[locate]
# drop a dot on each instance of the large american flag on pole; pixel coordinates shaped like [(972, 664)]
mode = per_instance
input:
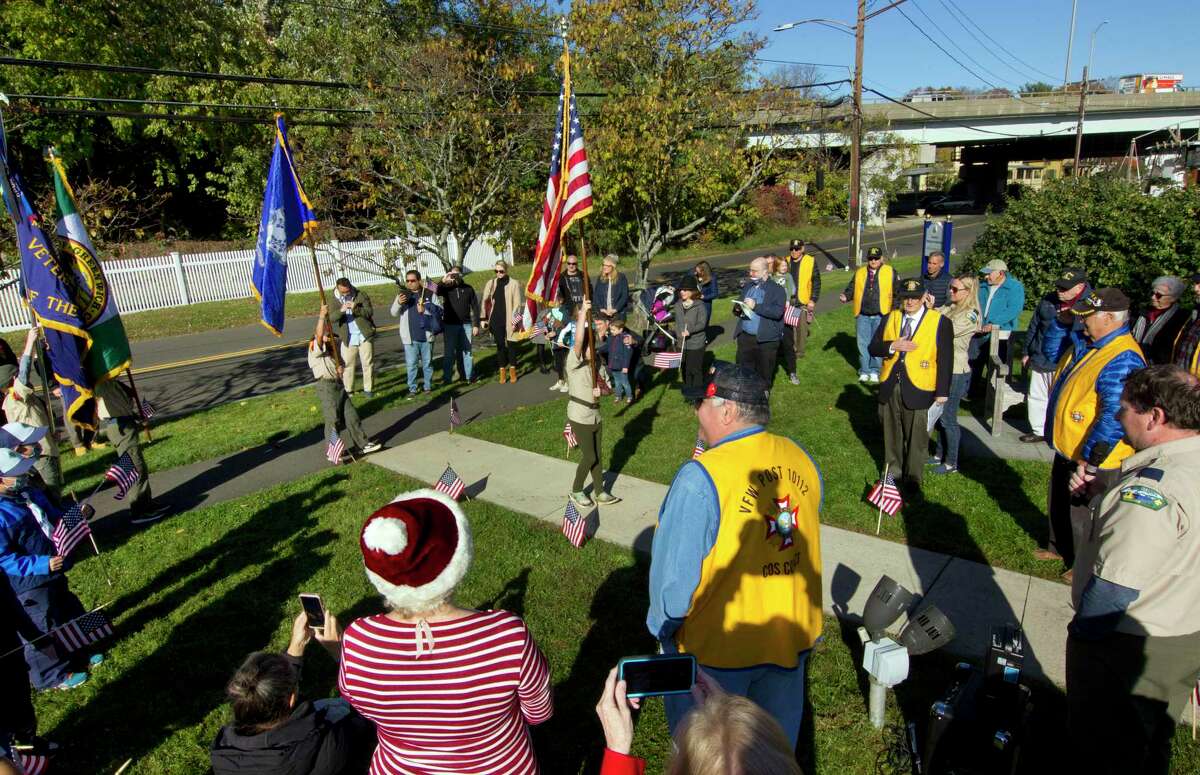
[(82, 630), (71, 529), (568, 196), (886, 495)]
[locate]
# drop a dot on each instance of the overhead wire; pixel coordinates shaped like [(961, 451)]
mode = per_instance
[(983, 45), (914, 108), (954, 43), (998, 44)]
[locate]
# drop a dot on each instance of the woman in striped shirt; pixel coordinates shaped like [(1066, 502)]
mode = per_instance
[(449, 689)]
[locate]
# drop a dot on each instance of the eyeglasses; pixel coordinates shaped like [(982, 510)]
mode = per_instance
[(500, 271), (411, 281), (572, 263), (1159, 295), (957, 289)]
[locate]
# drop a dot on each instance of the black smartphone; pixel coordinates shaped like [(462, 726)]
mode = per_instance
[(657, 675), (314, 609)]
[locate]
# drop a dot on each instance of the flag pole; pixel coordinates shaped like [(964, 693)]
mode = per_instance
[(137, 401), (879, 519), (337, 348)]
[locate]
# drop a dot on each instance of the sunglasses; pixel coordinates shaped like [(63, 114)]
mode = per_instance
[(572, 263), (956, 288), (501, 271), (1158, 295)]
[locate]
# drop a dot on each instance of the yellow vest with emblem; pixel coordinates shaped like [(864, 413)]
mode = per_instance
[(886, 276), (1078, 403), (759, 597), (921, 364), (804, 275), (1194, 366)]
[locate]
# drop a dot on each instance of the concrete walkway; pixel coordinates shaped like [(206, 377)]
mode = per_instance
[(975, 597)]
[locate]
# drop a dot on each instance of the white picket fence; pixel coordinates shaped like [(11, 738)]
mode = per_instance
[(178, 279)]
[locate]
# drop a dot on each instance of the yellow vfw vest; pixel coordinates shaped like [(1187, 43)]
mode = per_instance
[(1194, 366), (1077, 405), (886, 276), (759, 597), (921, 364), (804, 277)]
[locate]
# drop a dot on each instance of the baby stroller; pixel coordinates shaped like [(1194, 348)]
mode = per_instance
[(653, 312)]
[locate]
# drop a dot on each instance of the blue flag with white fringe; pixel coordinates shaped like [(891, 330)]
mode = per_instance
[(287, 218)]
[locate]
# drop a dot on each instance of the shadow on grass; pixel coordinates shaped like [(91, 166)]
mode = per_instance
[(192, 664), (845, 345), (637, 428), (861, 405)]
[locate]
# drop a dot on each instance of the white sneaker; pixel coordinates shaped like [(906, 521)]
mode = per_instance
[(371, 446), (557, 384), (864, 377), (562, 387), (874, 377)]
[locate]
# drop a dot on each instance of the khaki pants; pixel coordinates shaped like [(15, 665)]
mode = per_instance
[(905, 438), (364, 352), (802, 334)]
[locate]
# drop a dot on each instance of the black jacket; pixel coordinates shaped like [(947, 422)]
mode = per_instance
[(308, 743), (460, 305), (939, 288), (570, 292), (1158, 339), (912, 397)]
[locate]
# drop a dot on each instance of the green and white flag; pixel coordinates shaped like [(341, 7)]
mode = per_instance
[(108, 355)]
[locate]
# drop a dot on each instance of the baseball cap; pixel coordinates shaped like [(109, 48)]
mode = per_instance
[(1196, 277), (16, 434), (797, 244), (874, 253), (12, 464), (738, 384), (688, 283), (911, 289), (995, 265), (1070, 277), (1102, 300)]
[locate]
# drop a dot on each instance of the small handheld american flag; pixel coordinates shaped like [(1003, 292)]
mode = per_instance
[(123, 474), (335, 448), (791, 315), (82, 630), (451, 484), (698, 450), (431, 287), (518, 320), (455, 417), (32, 764), (539, 328), (71, 529), (569, 435), (886, 495), (574, 526), (667, 360), (148, 410)]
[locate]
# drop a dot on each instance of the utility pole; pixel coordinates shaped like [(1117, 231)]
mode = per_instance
[(856, 123), (1079, 126)]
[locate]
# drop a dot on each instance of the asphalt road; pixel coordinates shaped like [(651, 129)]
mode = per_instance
[(181, 374)]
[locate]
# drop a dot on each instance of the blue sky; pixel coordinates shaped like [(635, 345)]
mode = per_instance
[(1160, 36)]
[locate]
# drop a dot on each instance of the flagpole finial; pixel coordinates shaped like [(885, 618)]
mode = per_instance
[(563, 28)]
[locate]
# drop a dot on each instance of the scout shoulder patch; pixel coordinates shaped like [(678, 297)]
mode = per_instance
[(1144, 496)]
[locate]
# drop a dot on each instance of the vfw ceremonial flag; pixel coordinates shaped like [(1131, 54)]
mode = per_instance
[(108, 354), (286, 219), (71, 529), (47, 285), (83, 630), (886, 495), (574, 526), (568, 196)]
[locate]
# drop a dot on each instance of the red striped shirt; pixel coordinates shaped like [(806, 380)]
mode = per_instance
[(461, 706)]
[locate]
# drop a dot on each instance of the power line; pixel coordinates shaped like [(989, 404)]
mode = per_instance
[(953, 43), (978, 40), (179, 104), (943, 119), (998, 44)]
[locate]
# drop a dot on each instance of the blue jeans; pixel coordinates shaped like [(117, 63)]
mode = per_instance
[(456, 339), (865, 327), (949, 422), (621, 388), (777, 690), (424, 351)]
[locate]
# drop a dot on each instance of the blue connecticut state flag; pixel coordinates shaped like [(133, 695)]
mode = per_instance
[(47, 285), (286, 219)]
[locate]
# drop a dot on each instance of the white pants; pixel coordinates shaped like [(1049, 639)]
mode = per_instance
[(1038, 399), (364, 352)]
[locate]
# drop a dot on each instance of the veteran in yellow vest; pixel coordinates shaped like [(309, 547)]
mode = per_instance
[(735, 568), (917, 348), (803, 269), (1081, 416), (870, 290), (1186, 350)]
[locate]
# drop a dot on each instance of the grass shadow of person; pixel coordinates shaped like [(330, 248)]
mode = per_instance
[(861, 406), (637, 428), (845, 345)]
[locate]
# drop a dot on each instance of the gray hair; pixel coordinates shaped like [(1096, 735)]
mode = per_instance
[(750, 413), (1121, 316), (613, 258), (1175, 286)]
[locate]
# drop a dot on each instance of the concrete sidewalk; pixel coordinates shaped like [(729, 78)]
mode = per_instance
[(975, 597)]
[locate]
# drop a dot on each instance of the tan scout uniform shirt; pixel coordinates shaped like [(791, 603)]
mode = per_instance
[(582, 406), (323, 366), (1144, 533)]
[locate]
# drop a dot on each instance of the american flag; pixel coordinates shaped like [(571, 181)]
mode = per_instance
[(667, 360), (123, 474), (71, 529), (335, 448), (518, 320), (431, 287), (455, 417), (148, 410), (539, 328), (568, 197), (698, 450), (32, 764), (791, 315), (451, 484), (82, 630), (574, 526), (886, 496), (569, 435)]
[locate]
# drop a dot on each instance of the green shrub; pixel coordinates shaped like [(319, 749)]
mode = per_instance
[(1124, 238)]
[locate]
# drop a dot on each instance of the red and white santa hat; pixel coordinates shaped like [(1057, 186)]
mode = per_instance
[(417, 549)]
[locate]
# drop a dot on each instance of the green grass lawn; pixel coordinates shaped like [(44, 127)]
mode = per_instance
[(193, 595), (991, 513)]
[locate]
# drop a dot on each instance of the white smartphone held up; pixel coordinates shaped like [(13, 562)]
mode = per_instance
[(314, 609)]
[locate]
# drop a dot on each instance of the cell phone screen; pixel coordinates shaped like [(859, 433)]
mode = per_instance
[(314, 609), (662, 674)]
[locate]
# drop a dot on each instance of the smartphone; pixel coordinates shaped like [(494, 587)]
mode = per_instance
[(314, 609), (657, 675)]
